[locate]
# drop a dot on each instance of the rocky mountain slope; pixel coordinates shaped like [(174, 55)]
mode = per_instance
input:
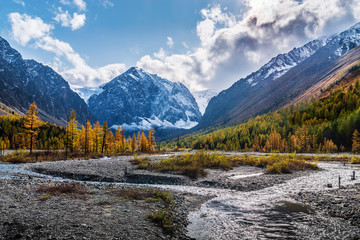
[(281, 80), (25, 81), (138, 100)]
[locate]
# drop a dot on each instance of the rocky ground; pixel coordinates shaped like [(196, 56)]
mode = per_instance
[(342, 202), (28, 214)]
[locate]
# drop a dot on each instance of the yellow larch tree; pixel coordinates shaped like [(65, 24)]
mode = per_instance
[(97, 137), (31, 124), (71, 131)]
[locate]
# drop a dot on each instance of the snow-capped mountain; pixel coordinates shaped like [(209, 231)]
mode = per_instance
[(203, 98), (138, 100), (286, 74), (25, 81), (282, 63)]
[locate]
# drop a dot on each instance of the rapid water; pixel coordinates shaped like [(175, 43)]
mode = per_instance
[(271, 213)]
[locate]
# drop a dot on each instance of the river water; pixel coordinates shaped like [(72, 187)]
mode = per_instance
[(270, 213)]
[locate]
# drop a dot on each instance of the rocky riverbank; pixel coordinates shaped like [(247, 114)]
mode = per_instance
[(27, 213), (342, 202), (120, 169), (97, 214)]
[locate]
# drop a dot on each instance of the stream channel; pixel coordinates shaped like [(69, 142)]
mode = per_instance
[(270, 213)]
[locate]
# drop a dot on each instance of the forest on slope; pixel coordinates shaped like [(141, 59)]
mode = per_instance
[(328, 124)]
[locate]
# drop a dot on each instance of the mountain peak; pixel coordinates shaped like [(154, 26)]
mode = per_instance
[(137, 100)]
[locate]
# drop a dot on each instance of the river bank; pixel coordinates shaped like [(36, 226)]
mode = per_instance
[(341, 203), (120, 169), (242, 203), (28, 214)]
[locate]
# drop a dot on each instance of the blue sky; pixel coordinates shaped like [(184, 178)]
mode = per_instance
[(203, 44)]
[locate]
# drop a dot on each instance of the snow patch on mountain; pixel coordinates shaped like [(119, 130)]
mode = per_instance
[(146, 123), (282, 63), (203, 98), (138, 100), (86, 92)]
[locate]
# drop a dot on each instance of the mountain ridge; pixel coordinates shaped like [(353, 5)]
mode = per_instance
[(25, 81), (254, 94)]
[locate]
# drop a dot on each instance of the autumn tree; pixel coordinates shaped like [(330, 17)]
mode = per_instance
[(151, 139), (97, 137), (105, 136), (71, 131), (31, 123), (88, 136), (356, 141), (133, 143)]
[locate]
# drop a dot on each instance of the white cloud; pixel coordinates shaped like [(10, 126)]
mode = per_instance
[(22, 3), (80, 73), (107, 3), (185, 45), (160, 54), (75, 22), (170, 42), (26, 28), (80, 4), (242, 44)]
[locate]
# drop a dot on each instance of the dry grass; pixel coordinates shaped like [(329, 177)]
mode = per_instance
[(22, 156), (276, 163), (142, 163), (164, 219), (46, 156), (195, 165), (68, 189)]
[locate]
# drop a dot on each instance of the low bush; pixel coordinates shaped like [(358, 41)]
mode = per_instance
[(142, 163), (164, 219), (276, 163), (194, 165), (355, 160)]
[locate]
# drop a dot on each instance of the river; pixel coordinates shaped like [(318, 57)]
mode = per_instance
[(270, 213)]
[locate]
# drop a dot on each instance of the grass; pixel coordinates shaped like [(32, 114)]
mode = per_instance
[(355, 160), (22, 156), (69, 189), (195, 165), (142, 163), (164, 219), (276, 163), (46, 156)]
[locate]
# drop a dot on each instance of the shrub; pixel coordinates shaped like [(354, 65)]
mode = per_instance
[(164, 219), (355, 160), (142, 163), (194, 165)]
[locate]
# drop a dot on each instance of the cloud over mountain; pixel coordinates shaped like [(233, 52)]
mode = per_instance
[(238, 44)]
